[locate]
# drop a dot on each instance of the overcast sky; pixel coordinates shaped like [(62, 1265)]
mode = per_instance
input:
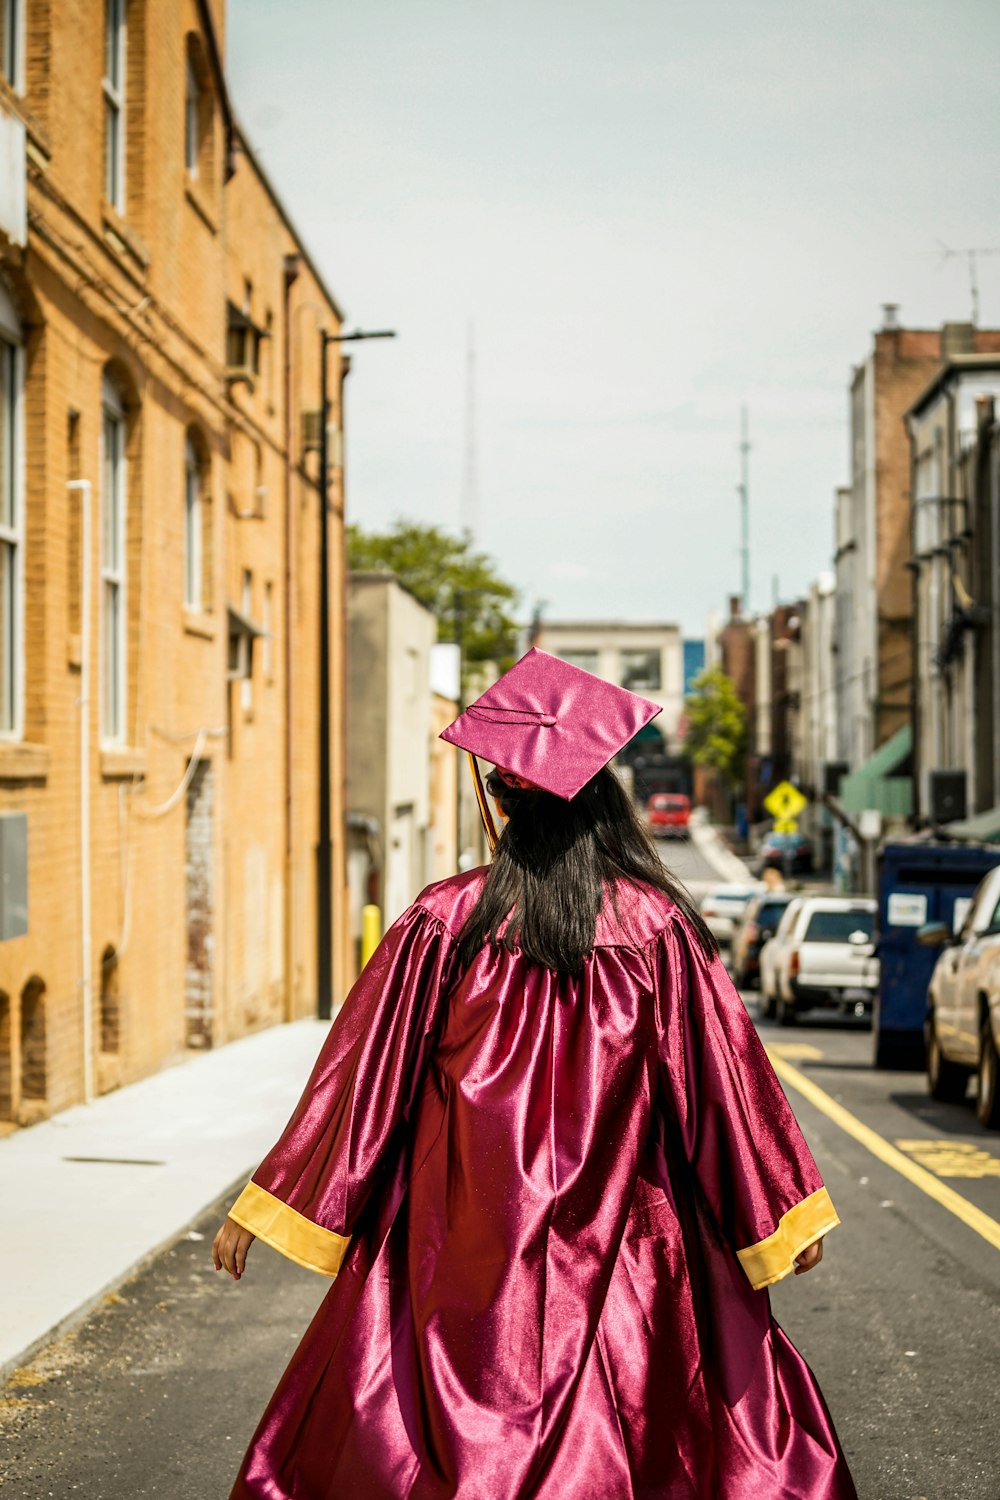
[(650, 212)]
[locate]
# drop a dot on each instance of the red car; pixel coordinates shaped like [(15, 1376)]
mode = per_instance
[(668, 815)]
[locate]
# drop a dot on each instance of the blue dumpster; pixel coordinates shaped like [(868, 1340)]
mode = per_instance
[(918, 882)]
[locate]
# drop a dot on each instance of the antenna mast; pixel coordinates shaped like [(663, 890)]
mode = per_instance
[(971, 256), (743, 490), (470, 477)]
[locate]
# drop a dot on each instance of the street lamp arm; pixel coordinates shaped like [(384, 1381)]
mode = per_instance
[(360, 333)]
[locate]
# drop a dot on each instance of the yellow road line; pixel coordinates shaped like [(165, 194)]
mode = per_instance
[(873, 1142), (796, 1051)]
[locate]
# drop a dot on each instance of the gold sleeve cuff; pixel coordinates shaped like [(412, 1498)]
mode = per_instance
[(287, 1230), (771, 1259)]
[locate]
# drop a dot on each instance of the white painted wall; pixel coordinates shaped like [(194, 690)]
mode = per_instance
[(608, 640)]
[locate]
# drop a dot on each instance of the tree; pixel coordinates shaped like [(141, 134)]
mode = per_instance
[(460, 586), (717, 726)]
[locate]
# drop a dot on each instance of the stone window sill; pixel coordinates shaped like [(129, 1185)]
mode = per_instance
[(123, 762), (197, 622), (124, 239), (20, 760)]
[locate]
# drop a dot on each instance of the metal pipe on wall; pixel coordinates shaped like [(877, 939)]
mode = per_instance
[(995, 578), (291, 274), (324, 845), (83, 488)]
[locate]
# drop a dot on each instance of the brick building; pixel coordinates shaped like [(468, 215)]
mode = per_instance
[(955, 569), (159, 543), (874, 668)]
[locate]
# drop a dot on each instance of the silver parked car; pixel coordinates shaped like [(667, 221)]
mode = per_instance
[(723, 906), (963, 1004), (825, 956)]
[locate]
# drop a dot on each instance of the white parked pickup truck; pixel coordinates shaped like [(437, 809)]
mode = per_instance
[(827, 957), (963, 1004)]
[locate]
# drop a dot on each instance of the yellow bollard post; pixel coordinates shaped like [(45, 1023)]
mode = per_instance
[(371, 931)]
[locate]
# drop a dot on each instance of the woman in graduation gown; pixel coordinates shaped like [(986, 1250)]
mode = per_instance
[(545, 1157)]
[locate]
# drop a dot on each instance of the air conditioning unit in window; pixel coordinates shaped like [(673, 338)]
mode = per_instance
[(242, 348), (947, 796), (242, 633), (312, 431)]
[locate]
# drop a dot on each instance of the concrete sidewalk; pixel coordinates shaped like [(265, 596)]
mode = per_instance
[(91, 1194), (714, 849)]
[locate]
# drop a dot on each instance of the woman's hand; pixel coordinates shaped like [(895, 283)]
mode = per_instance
[(230, 1246), (809, 1257)]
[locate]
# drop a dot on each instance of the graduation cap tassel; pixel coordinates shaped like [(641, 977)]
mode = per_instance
[(484, 807)]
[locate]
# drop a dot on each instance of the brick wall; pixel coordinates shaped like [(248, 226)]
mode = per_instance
[(142, 296)]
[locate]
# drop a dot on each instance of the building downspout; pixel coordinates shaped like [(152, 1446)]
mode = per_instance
[(995, 601), (83, 487), (344, 976), (291, 273), (917, 624)]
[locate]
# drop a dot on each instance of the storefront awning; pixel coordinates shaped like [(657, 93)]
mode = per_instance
[(884, 781), (982, 828)]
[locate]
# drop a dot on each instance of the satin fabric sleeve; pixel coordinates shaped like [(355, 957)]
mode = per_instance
[(737, 1128), (305, 1197)]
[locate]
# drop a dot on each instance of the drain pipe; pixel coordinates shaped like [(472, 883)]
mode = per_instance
[(86, 962), (995, 576)]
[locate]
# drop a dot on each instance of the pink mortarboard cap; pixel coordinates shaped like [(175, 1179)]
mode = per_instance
[(551, 723)]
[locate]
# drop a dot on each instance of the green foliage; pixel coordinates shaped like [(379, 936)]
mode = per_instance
[(717, 726), (460, 586)]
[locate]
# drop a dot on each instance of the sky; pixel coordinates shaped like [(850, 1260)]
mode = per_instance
[(648, 213)]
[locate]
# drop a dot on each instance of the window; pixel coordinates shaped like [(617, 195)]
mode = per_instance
[(193, 528), (114, 104), (13, 43), (192, 121), (11, 525), (246, 605), (242, 346), (839, 926), (993, 925), (113, 513), (585, 660), (267, 638), (640, 670)]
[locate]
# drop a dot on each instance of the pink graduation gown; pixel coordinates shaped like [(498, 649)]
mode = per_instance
[(551, 1205)]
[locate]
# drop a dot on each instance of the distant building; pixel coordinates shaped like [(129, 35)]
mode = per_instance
[(403, 786), (648, 659), (812, 716), (389, 724), (694, 662), (875, 605), (955, 572)]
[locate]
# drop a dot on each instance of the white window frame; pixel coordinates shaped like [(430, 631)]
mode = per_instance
[(12, 537), (13, 44), (115, 53), (192, 118), (114, 567), (194, 520)]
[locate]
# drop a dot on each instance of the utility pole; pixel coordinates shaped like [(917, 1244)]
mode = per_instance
[(324, 841), (744, 494), (470, 477)]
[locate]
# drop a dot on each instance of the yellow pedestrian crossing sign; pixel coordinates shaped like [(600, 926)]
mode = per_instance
[(784, 804)]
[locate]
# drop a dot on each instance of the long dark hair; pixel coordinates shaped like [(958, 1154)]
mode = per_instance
[(555, 866)]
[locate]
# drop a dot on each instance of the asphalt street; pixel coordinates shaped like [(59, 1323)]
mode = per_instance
[(159, 1391), (685, 860)]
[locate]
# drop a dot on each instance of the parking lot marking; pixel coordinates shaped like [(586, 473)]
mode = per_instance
[(969, 1214), (797, 1051), (952, 1158)]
